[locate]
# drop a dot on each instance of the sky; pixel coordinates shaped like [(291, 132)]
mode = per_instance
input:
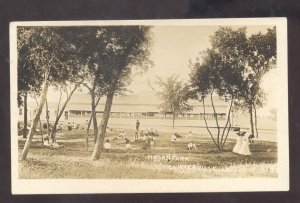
[(174, 46)]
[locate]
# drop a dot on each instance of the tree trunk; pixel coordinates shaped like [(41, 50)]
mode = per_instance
[(88, 127), (41, 126), (255, 121), (94, 115), (223, 144), (87, 133), (41, 129), (251, 119), (217, 122), (35, 121), (173, 119), (25, 116), (207, 124), (47, 117), (53, 131), (100, 137), (228, 120)]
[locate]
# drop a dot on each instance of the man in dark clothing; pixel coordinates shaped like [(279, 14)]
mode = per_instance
[(137, 125)]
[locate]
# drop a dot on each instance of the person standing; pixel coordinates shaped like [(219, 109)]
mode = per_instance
[(137, 125), (238, 145), (136, 136), (245, 150)]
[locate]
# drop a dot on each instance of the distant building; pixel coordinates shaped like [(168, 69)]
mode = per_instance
[(142, 105)]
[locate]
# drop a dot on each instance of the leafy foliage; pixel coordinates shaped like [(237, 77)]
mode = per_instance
[(126, 49), (234, 66), (174, 95), (44, 58), (41, 50)]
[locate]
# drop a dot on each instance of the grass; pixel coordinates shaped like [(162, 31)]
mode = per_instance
[(73, 161)]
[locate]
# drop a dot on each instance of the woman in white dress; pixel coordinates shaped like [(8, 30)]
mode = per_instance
[(238, 145), (245, 150)]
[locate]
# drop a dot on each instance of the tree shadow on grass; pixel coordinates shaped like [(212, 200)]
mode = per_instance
[(35, 162)]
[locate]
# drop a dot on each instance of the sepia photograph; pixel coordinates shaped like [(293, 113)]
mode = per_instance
[(149, 106)]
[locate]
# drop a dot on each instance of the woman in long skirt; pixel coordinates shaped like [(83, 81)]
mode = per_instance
[(238, 145), (245, 150)]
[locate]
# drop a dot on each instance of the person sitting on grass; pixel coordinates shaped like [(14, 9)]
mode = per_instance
[(175, 137), (151, 140), (69, 126), (191, 146), (55, 145), (146, 145), (250, 139), (127, 144), (46, 142), (51, 143), (122, 134), (107, 146)]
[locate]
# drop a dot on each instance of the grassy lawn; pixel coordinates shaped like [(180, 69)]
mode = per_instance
[(73, 161)]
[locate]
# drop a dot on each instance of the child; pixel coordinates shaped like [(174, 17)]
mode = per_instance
[(190, 134), (136, 136), (151, 140), (107, 146), (191, 145), (250, 138), (46, 142), (127, 144), (173, 138)]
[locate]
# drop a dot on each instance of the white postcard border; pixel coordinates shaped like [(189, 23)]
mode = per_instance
[(70, 186)]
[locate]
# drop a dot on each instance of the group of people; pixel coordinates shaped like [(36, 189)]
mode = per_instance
[(72, 126), (177, 137), (243, 140), (51, 143), (148, 138), (190, 146), (107, 145)]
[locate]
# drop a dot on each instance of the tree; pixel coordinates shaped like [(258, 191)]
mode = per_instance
[(91, 44), (253, 57), (94, 105), (174, 95), (127, 49), (69, 89), (29, 77), (69, 81), (49, 53), (216, 76), (261, 59)]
